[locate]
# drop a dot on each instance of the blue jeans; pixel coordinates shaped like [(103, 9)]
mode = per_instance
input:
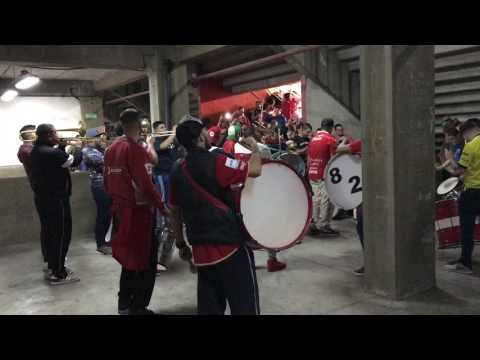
[(104, 216)]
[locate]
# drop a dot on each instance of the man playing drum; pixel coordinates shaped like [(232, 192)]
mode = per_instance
[(320, 151), (203, 197), (469, 202)]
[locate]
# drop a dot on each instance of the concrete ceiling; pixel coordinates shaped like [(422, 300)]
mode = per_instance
[(8, 70)]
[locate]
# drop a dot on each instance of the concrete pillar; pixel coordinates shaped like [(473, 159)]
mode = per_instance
[(179, 99), (158, 86), (345, 84), (92, 111), (397, 90)]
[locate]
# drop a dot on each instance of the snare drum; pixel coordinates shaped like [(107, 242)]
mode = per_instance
[(447, 224)]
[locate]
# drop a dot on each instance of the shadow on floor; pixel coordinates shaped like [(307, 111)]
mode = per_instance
[(437, 296), (185, 310)]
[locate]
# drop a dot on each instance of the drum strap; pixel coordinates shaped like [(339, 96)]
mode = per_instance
[(219, 204)]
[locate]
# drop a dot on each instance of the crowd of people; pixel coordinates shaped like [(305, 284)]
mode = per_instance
[(150, 191)]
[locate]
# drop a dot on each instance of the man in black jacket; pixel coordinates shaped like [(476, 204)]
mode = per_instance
[(52, 186), (204, 194)]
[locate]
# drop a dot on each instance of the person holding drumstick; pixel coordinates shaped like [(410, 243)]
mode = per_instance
[(355, 147), (468, 168), (202, 195)]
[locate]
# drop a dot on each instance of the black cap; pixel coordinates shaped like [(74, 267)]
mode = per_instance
[(44, 129), (470, 124), (129, 115), (327, 123), (188, 131)]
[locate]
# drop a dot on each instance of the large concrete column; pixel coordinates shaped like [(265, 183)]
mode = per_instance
[(180, 86), (158, 86), (397, 90)]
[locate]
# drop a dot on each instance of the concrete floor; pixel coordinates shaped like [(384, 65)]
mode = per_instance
[(318, 281)]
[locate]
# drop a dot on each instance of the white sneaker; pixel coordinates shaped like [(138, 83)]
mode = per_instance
[(53, 280), (459, 267)]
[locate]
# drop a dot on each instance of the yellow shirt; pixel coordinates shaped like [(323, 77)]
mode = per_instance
[(470, 160)]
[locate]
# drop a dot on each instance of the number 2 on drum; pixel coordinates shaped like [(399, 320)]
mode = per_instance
[(337, 178)]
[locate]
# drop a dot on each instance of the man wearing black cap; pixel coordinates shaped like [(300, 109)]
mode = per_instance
[(469, 202), (204, 196), (52, 185), (128, 181)]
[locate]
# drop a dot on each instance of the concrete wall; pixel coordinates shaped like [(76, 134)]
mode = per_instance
[(18, 218), (319, 105), (62, 112)]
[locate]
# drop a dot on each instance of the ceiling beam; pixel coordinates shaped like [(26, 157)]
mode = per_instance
[(266, 83), (117, 79), (255, 63), (75, 88), (190, 52), (87, 56), (258, 75)]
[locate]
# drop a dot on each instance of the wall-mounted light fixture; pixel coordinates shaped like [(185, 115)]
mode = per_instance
[(9, 95), (26, 80)]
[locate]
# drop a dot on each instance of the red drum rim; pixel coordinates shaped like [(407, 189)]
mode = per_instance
[(310, 209)]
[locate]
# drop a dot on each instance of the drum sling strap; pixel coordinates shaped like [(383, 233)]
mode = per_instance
[(201, 191)]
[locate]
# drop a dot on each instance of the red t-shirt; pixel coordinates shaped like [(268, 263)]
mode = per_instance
[(214, 134), (320, 150), (230, 173)]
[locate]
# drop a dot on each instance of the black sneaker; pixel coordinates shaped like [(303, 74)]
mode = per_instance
[(360, 271), (457, 266), (124, 311), (143, 311), (313, 231), (327, 230)]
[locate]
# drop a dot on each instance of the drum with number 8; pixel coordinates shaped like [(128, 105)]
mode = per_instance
[(343, 181)]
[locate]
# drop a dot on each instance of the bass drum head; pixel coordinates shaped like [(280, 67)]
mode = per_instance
[(343, 181), (294, 161), (276, 207)]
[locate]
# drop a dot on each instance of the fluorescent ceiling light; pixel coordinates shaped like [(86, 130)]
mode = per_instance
[(26, 81), (9, 95)]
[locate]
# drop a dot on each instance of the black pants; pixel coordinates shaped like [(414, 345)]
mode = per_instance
[(56, 219), (360, 224), (233, 280), (136, 287), (43, 232), (469, 209), (102, 222)]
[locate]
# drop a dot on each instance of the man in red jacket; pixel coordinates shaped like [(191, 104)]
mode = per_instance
[(128, 181)]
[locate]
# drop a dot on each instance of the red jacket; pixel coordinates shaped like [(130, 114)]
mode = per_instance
[(128, 181), (320, 151)]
